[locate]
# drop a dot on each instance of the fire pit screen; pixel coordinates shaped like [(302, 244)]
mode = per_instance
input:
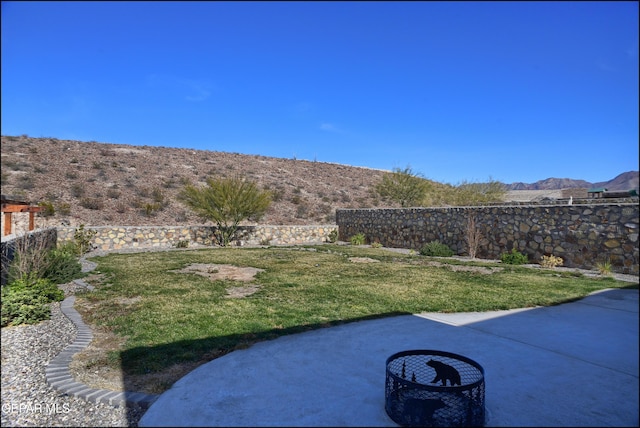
[(434, 388)]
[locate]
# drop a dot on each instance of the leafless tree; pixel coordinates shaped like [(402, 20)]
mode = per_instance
[(473, 235)]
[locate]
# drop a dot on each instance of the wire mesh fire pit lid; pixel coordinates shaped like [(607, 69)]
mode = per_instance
[(434, 388)]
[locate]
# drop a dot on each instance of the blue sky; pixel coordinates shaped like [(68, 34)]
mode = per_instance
[(458, 91)]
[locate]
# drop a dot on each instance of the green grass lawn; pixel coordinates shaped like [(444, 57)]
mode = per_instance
[(168, 318)]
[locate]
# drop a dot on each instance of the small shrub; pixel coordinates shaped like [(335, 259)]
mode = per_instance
[(515, 257), (169, 183), (604, 267), (436, 249), (92, 203), (25, 182), (302, 211), (376, 244), (143, 192), (182, 244), (333, 235), (113, 193), (357, 239), (325, 209), (30, 258), (82, 240), (157, 195), (51, 196), (151, 209), (15, 165), (121, 207), (23, 307), (64, 209), (276, 195), (25, 301), (181, 216), (48, 209), (62, 265), (77, 190), (551, 261)]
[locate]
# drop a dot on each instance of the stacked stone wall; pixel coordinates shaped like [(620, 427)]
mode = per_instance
[(583, 235), (115, 238)]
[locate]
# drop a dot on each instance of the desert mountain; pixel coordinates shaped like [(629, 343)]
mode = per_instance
[(625, 181)]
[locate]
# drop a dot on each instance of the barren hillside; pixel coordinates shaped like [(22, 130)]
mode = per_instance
[(113, 184), (98, 184)]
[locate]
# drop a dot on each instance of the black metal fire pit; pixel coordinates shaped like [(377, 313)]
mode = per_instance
[(434, 388)]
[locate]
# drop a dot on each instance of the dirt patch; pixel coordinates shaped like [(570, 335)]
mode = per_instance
[(127, 300), (363, 260), (221, 272), (485, 270), (227, 272), (239, 292)]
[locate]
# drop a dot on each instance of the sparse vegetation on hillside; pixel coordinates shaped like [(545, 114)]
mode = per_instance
[(115, 184)]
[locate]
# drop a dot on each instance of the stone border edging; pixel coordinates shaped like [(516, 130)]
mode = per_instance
[(59, 376)]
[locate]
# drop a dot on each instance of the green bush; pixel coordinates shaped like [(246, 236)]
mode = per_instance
[(357, 239), (62, 265), (333, 235), (82, 239), (515, 257), (48, 210), (26, 301), (436, 249), (182, 244)]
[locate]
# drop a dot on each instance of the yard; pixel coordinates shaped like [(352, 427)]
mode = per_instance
[(158, 315)]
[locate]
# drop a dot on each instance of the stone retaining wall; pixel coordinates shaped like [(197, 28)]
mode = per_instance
[(116, 238), (583, 235)]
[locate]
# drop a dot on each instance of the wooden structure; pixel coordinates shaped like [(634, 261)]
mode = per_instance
[(11, 205)]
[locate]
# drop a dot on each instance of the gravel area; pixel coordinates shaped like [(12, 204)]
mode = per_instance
[(27, 399)]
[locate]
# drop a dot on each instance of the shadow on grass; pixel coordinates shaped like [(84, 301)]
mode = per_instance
[(146, 360), (154, 359), (573, 342)]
